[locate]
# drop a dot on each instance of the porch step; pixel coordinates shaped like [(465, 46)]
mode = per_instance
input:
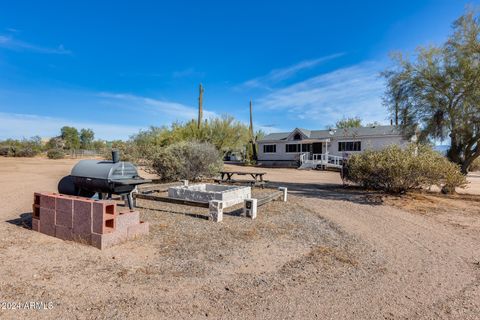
[(312, 161), (307, 166)]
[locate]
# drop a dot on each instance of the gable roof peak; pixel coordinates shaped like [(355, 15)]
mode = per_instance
[(305, 132)]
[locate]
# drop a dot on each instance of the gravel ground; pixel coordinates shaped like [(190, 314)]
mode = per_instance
[(328, 253)]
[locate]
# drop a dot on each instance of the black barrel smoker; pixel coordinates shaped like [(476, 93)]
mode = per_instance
[(102, 177)]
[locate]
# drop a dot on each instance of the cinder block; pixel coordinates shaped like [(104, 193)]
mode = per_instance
[(126, 219), (35, 224), (64, 203), (250, 208), (47, 200), (82, 217), (36, 210), (285, 193), (36, 198), (63, 233), (215, 209), (138, 230), (64, 219), (103, 216), (103, 241), (47, 221)]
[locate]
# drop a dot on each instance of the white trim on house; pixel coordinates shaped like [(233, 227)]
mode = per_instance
[(294, 133), (324, 144)]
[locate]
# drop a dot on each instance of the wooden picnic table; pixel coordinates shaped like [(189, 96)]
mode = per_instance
[(226, 176), (257, 176)]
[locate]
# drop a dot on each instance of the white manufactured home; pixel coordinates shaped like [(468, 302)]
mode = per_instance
[(323, 148)]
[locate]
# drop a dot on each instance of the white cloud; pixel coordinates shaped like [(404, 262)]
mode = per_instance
[(11, 43), (351, 91), (178, 110), (268, 128), (278, 75), (28, 125)]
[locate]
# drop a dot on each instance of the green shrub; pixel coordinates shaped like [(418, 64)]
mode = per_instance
[(186, 160), (55, 154), (26, 152), (6, 152), (225, 133), (398, 170), (21, 148), (128, 151)]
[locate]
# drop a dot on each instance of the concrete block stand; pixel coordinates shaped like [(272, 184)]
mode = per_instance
[(250, 208), (284, 190), (216, 210)]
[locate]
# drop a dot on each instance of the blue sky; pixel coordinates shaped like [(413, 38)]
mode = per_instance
[(120, 66)]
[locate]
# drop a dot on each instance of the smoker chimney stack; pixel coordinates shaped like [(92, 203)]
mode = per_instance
[(115, 156)]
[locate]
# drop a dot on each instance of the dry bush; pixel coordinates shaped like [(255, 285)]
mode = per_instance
[(21, 148), (128, 151), (6, 152), (398, 170), (186, 160), (55, 154)]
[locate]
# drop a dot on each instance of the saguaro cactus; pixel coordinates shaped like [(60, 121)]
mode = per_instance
[(252, 134), (200, 106)]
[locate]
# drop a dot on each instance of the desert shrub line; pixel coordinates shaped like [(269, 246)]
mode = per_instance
[(190, 160), (55, 154), (397, 170)]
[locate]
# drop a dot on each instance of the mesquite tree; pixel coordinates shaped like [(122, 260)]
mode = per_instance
[(438, 94)]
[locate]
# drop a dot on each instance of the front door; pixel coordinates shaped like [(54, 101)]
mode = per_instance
[(317, 148)]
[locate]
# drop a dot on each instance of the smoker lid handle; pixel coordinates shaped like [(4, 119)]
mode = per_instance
[(131, 181)]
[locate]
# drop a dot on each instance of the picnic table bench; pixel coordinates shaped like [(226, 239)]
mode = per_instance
[(226, 176)]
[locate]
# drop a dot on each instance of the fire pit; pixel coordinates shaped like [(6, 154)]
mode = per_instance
[(204, 192)]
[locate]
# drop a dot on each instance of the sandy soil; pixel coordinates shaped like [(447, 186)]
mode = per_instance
[(328, 253), (290, 174), (474, 183)]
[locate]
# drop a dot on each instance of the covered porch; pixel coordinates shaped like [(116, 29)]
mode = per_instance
[(315, 154)]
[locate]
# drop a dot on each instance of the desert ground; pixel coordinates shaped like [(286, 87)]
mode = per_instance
[(328, 253)]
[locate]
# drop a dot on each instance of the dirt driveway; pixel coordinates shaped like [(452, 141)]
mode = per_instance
[(293, 176), (328, 253)]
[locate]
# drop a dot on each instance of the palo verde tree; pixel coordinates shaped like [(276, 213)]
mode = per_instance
[(71, 137), (225, 133), (437, 94), (345, 123), (86, 138)]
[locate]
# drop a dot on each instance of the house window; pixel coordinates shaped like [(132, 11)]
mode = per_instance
[(297, 136), (350, 146), (292, 148), (306, 147), (269, 148)]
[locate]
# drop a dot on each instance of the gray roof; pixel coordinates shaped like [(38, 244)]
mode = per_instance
[(337, 133)]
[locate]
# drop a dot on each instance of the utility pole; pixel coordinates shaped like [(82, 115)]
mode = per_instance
[(252, 134), (200, 106), (251, 121)]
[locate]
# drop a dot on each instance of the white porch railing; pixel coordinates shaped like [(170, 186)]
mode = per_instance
[(308, 160)]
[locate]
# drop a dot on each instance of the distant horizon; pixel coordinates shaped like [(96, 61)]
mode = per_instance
[(146, 128), (119, 69)]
